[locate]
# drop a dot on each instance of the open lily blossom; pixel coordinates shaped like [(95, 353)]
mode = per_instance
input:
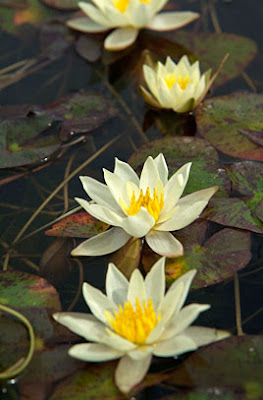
[(136, 320), (128, 16), (150, 206), (175, 86)]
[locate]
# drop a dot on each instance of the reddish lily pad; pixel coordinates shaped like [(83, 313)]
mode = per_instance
[(81, 225), (206, 170), (235, 363), (27, 140), (215, 259), (127, 258), (223, 120)]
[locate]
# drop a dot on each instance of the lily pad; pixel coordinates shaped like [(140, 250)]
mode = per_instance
[(81, 225), (54, 39), (27, 140), (206, 170), (127, 258), (213, 365), (62, 4), (215, 259), (223, 120)]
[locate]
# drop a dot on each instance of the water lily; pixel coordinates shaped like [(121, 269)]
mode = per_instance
[(128, 17), (136, 320), (150, 206), (175, 86)]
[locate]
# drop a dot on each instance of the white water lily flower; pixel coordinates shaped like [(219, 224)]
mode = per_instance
[(175, 86), (128, 16), (148, 206), (136, 320)]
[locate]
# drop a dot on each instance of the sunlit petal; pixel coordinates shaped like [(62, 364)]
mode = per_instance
[(130, 372), (120, 38), (167, 21), (116, 285), (94, 352), (203, 336), (86, 25), (174, 346), (155, 283), (164, 243)]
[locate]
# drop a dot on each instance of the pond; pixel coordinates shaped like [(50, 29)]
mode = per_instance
[(69, 108)]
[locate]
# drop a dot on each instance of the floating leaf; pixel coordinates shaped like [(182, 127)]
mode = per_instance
[(88, 48), (235, 363), (81, 225), (27, 140), (54, 39), (206, 170), (223, 120), (127, 258), (62, 4), (215, 259), (231, 212)]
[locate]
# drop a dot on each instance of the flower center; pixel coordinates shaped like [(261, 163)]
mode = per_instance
[(134, 324), (171, 79), (121, 5), (153, 204)]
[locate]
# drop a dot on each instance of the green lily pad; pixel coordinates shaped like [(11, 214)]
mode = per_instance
[(235, 363), (208, 393), (206, 170), (223, 120), (247, 180), (81, 225), (233, 212), (215, 259), (26, 140)]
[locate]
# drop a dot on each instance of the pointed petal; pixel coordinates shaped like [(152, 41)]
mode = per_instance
[(190, 207), (116, 185), (95, 14), (120, 38), (136, 288), (118, 342), (99, 193), (183, 319), (170, 304), (86, 25), (138, 225), (167, 21), (202, 335), (129, 372), (126, 172), (149, 176), (164, 243), (85, 325), (162, 168), (140, 352), (102, 213), (97, 302), (116, 285), (155, 283), (94, 352), (104, 243), (175, 346), (149, 98)]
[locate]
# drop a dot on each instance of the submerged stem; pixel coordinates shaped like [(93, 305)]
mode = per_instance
[(238, 306)]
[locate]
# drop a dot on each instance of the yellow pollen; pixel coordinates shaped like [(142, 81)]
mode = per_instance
[(171, 79), (153, 204), (121, 5), (134, 324)]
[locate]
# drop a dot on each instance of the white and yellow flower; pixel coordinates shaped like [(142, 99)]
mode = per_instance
[(136, 320), (128, 16), (175, 86), (148, 206)]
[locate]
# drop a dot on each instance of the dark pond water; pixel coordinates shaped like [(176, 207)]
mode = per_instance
[(58, 64)]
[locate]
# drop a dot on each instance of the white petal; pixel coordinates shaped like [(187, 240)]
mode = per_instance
[(162, 168), (202, 336), (140, 352), (95, 14), (97, 302), (155, 283), (116, 185), (85, 24), (94, 352), (85, 325), (140, 15), (170, 304), (136, 288), (126, 172), (190, 207), (120, 38), (100, 212), (118, 342), (138, 225), (150, 79), (175, 346), (186, 280), (103, 243), (99, 192), (116, 285), (156, 333), (129, 372), (183, 319), (149, 176), (164, 243), (167, 21)]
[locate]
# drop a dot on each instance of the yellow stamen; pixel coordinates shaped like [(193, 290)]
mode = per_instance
[(134, 324), (121, 5), (171, 79), (153, 204)]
